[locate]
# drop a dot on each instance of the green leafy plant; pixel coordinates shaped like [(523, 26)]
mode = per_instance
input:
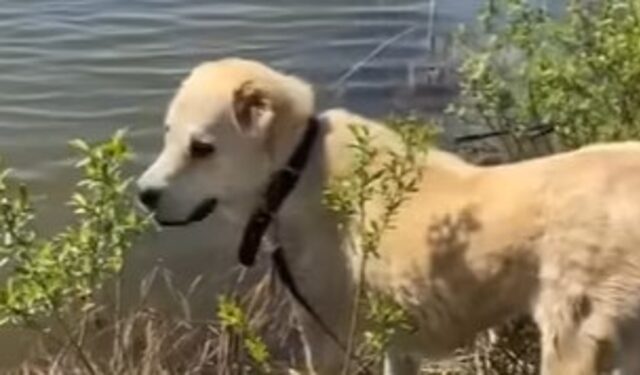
[(58, 277), (234, 319), (367, 200), (574, 74), (384, 319)]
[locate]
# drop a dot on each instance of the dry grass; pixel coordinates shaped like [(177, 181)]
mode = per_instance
[(148, 342), (511, 349)]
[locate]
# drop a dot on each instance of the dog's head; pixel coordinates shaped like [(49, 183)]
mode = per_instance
[(222, 131)]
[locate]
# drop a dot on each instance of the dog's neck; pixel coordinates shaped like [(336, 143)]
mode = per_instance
[(284, 137), (332, 156)]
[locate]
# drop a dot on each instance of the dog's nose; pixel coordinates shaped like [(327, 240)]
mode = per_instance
[(150, 198)]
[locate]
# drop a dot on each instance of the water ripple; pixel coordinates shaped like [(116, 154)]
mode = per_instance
[(72, 68)]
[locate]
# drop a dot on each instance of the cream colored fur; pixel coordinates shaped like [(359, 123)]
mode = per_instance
[(557, 237)]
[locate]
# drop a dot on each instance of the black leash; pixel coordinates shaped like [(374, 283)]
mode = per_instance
[(283, 271), (532, 132)]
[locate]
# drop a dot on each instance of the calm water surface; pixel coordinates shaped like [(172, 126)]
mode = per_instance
[(76, 68)]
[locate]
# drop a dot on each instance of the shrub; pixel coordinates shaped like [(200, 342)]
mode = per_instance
[(58, 277), (575, 75), (367, 199), (53, 288)]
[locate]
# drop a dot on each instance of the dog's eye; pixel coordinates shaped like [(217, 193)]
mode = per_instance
[(200, 149)]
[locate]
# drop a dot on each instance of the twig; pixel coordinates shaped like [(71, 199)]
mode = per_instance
[(430, 25), (376, 51)]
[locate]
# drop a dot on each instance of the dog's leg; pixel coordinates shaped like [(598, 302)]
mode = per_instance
[(575, 340), (400, 364), (578, 355)]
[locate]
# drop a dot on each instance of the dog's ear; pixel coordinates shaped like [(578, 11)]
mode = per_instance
[(252, 109)]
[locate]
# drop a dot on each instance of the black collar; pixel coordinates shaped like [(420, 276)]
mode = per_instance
[(280, 185)]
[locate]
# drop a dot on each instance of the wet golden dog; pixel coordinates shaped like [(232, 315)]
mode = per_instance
[(557, 237)]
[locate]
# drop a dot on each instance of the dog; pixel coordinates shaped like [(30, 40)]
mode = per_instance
[(555, 237)]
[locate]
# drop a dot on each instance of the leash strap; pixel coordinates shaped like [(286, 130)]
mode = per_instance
[(283, 271), (532, 132)]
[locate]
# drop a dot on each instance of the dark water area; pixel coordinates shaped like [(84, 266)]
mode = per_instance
[(83, 69)]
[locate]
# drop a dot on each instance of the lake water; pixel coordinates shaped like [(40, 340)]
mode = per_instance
[(82, 69)]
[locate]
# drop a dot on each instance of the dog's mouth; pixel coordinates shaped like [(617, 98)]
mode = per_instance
[(199, 213)]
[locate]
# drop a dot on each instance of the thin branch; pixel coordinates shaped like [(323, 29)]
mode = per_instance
[(373, 54)]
